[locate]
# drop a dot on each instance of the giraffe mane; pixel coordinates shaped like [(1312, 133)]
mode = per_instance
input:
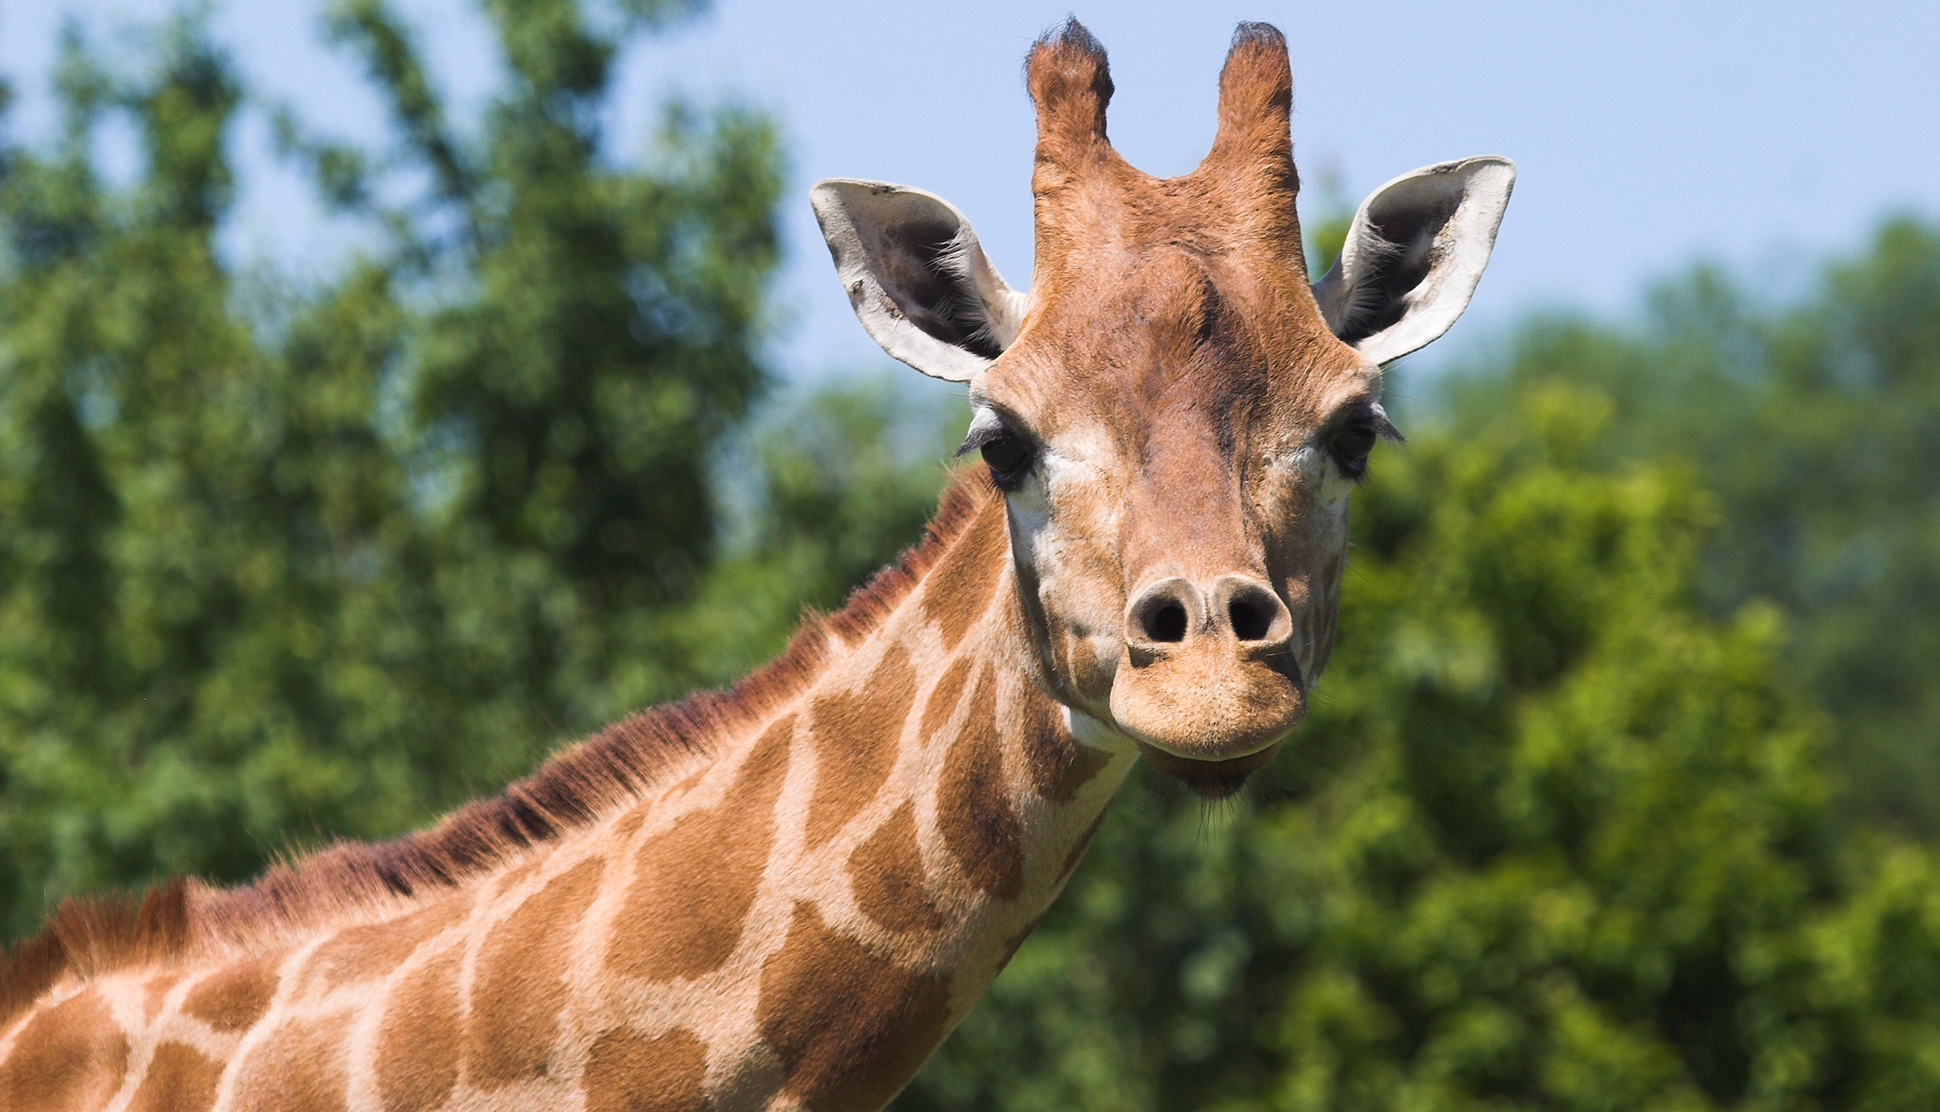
[(577, 787)]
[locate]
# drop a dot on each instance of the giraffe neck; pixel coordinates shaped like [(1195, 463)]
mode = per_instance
[(796, 924), (869, 861)]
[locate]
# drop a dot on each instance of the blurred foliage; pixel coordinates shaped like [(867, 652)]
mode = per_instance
[(311, 562), (826, 486), (1818, 429), (1616, 795)]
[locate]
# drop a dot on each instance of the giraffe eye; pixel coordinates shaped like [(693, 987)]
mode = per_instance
[(1351, 446), (1008, 458), (1008, 453)]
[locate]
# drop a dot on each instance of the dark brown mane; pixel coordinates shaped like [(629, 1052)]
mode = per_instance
[(573, 789)]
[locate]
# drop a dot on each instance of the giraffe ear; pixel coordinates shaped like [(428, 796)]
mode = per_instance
[(1414, 254), (918, 279)]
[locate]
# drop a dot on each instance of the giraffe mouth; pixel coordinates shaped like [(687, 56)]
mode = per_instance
[(1211, 715), (1208, 779)]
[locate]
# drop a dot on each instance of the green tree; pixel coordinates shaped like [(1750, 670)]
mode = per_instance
[(323, 561), (828, 486), (1814, 424)]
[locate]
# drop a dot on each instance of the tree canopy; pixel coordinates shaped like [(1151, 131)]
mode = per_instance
[(1814, 425), (302, 563)]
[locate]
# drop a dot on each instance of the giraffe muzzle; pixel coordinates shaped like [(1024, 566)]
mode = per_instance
[(1208, 681)]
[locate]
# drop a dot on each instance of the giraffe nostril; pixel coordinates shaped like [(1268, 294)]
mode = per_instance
[(1165, 612), (1253, 613), (1166, 622), (1250, 622)]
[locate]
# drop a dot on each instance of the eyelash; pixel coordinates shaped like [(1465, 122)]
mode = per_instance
[(1369, 426), (991, 437)]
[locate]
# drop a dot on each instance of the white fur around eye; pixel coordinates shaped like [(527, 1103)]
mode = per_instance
[(1305, 462), (1335, 485), (1030, 509), (1313, 466), (1053, 470)]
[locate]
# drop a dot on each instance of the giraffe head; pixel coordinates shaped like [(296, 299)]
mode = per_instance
[(1175, 415)]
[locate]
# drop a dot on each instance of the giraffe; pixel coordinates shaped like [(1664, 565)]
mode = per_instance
[(784, 896)]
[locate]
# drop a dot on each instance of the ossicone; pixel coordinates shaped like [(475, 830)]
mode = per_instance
[(1256, 99), (1070, 83)]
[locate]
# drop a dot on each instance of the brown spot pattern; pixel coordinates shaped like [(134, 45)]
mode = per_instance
[(632, 1073), (179, 1079), (370, 951), (697, 879), (512, 878), (850, 1028), (154, 991), (1060, 764), (886, 873), (233, 999), (945, 696), (521, 979), (973, 809), (628, 826), (959, 588), (301, 1067), (855, 736), (418, 1044), (69, 1056)]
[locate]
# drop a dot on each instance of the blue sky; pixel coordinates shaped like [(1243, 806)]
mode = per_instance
[(1649, 134)]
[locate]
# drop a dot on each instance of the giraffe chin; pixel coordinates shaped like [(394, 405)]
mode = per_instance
[(1208, 779)]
